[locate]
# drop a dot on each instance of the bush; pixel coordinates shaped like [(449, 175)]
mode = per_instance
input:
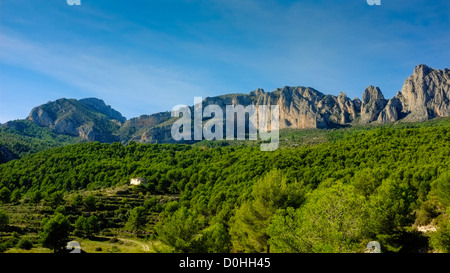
[(5, 195), (4, 220), (54, 199), (3, 247), (428, 211), (440, 239), (55, 232), (114, 249), (107, 232), (61, 209), (24, 243), (114, 240), (90, 202)]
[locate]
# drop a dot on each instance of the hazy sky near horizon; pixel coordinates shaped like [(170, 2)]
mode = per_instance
[(143, 57)]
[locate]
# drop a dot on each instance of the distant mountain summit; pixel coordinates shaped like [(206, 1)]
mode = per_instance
[(91, 119), (424, 95), (100, 106)]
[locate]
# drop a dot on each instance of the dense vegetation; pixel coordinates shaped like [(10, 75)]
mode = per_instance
[(349, 188), (22, 137)]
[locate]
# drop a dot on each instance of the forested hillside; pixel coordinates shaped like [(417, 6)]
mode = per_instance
[(21, 137), (328, 196)]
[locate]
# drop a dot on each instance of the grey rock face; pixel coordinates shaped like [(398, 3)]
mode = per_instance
[(300, 107), (87, 131), (373, 103), (91, 119), (100, 106), (144, 128), (147, 121), (426, 93), (391, 112), (41, 117), (65, 126)]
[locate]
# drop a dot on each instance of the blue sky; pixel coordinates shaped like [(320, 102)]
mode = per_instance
[(143, 57)]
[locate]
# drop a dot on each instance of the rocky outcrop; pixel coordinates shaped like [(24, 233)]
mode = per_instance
[(41, 117), (425, 94), (100, 106), (147, 121), (90, 119), (300, 107), (147, 129), (337, 111), (160, 134), (391, 112), (372, 104)]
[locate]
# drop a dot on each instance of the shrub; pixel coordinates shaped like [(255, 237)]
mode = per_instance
[(4, 219), (3, 247), (113, 240), (24, 243)]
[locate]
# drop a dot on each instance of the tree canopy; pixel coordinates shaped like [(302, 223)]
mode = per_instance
[(335, 196)]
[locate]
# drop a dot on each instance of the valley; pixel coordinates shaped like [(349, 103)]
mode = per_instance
[(345, 172), (387, 181)]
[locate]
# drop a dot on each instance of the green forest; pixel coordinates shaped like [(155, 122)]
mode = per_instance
[(322, 191), (23, 137)]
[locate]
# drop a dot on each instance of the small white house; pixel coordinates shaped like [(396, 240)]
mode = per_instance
[(138, 181)]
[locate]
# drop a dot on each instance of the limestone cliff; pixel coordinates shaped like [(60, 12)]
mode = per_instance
[(89, 119), (424, 95)]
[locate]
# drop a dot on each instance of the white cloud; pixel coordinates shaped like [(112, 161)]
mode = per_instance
[(118, 79)]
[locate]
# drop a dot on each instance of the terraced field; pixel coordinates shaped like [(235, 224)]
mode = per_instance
[(112, 207)]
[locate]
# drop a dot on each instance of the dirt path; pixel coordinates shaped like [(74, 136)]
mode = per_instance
[(144, 246), (125, 240)]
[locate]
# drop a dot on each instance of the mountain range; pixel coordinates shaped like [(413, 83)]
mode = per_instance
[(424, 95)]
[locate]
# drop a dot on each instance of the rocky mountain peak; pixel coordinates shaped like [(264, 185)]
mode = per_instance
[(90, 119), (424, 95), (258, 91), (422, 70), (100, 106), (372, 93), (372, 104)]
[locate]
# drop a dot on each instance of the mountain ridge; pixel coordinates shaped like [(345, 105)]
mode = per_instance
[(89, 118), (424, 95)]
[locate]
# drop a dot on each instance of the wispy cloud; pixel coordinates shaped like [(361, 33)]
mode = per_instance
[(150, 56), (105, 74)]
